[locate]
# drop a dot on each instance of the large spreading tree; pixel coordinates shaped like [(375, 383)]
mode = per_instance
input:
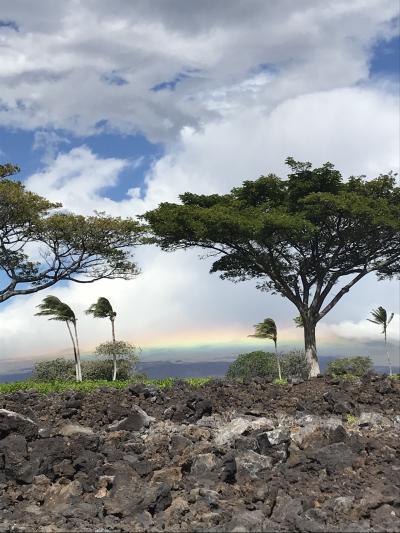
[(310, 237), (41, 245)]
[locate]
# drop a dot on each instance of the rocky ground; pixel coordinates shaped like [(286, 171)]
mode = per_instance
[(316, 456)]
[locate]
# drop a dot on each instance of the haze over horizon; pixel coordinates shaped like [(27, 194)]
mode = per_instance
[(117, 108)]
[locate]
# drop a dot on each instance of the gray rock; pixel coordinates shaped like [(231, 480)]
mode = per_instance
[(334, 457), (247, 521), (75, 429), (373, 419), (136, 421), (253, 463), (229, 432), (286, 508), (12, 422)]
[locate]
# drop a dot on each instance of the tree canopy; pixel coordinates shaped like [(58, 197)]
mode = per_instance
[(40, 244), (302, 237)]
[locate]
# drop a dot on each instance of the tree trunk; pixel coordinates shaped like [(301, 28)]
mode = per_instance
[(78, 353), (114, 367), (113, 329), (388, 356), (311, 347), (278, 362), (114, 377), (75, 354)]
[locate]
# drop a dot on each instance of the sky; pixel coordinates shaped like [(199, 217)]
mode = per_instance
[(117, 106)]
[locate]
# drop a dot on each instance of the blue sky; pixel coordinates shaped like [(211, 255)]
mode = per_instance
[(120, 109)]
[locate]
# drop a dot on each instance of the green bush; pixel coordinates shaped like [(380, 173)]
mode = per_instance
[(355, 366), (254, 364), (264, 365), (294, 365), (97, 370), (54, 370), (64, 370)]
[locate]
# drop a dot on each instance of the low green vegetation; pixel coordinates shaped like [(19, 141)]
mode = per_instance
[(351, 419), (350, 366), (264, 365), (47, 387), (64, 370)]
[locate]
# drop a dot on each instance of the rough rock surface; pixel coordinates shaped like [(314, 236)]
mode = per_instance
[(311, 456)]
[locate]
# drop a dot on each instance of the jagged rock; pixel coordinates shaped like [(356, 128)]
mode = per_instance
[(12, 422), (228, 433), (253, 463), (75, 429), (135, 421), (373, 419), (334, 457)]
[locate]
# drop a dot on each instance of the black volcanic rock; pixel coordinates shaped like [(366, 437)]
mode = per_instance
[(224, 457)]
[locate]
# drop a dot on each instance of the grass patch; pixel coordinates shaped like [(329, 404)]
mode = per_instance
[(46, 387), (351, 419), (278, 381)]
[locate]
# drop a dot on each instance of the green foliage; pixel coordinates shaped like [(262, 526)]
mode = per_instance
[(119, 350), (98, 370), (101, 309), (299, 322), (350, 366), (46, 387), (266, 330), (72, 246), (380, 317), (351, 419), (278, 381), (294, 365), (297, 236), (54, 308), (64, 370), (264, 364), (254, 364), (55, 370)]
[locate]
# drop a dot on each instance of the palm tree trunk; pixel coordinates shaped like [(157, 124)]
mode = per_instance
[(75, 354), (114, 377), (388, 356), (310, 347), (278, 362), (78, 353)]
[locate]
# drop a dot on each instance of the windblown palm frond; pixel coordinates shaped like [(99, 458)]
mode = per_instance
[(54, 308), (380, 317), (266, 330), (101, 309)]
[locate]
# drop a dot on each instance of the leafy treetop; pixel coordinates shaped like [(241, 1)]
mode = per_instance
[(41, 245)]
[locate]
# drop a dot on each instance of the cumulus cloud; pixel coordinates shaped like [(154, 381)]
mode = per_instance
[(86, 66), (232, 90), (364, 330)]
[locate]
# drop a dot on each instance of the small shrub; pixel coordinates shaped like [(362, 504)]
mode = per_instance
[(64, 370), (54, 370), (294, 365), (263, 364), (96, 370), (354, 366), (253, 364)]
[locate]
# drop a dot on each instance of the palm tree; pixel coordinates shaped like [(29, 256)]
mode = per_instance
[(298, 320), (267, 330), (54, 308), (381, 318), (103, 309)]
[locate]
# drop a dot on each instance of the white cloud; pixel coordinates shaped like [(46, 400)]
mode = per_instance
[(54, 70), (227, 121), (365, 331), (175, 296)]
